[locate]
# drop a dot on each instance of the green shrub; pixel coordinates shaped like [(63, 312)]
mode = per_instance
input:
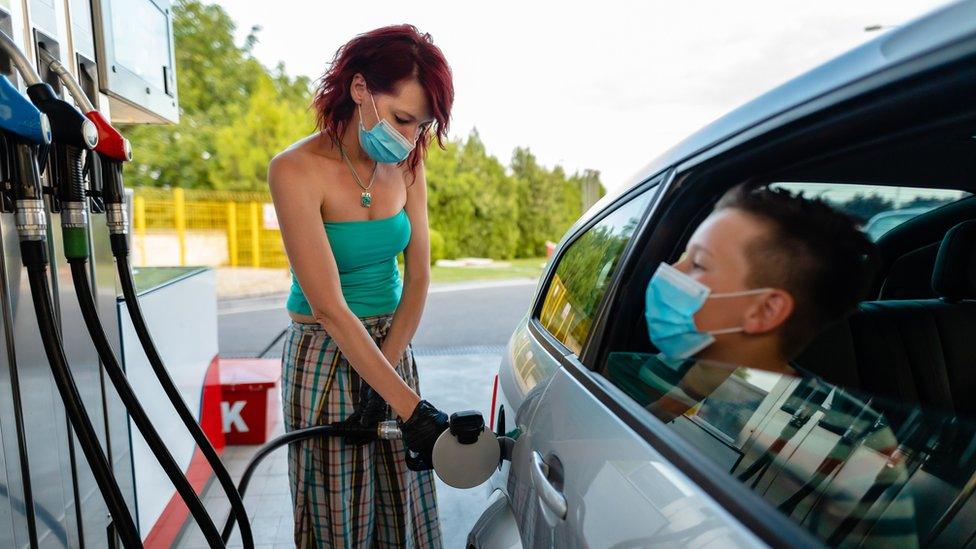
[(437, 246)]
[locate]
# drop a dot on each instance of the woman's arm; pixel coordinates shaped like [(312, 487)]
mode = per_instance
[(416, 273), (298, 208)]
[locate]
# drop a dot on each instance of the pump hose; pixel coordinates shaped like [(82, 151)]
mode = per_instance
[(79, 275), (35, 260), (298, 435), (120, 249)]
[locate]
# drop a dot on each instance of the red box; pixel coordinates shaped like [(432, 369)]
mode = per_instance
[(250, 404)]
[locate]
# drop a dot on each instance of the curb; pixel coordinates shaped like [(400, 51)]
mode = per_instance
[(249, 303)]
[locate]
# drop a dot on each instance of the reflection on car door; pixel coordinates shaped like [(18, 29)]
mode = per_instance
[(581, 477)]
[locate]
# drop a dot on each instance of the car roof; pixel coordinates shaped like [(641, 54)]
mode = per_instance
[(933, 31)]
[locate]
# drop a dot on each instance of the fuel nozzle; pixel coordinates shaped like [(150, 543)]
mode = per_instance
[(111, 150), (26, 133), (73, 138)]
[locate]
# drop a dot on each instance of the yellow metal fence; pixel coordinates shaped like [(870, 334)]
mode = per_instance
[(186, 227)]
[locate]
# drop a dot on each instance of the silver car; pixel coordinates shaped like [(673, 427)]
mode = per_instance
[(880, 451)]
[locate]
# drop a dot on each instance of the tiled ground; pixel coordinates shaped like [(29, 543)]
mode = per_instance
[(450, 382)]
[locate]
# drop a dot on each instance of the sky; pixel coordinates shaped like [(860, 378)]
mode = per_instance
[(601, 85)]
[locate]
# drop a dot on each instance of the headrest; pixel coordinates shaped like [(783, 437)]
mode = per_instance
[(954, 277)]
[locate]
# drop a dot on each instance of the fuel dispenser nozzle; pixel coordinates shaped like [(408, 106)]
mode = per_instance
[(73, 138)]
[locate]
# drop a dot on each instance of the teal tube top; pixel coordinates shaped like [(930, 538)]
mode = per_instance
[(365, 252)]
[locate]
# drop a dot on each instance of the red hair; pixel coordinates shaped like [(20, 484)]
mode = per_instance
[(385, 57)]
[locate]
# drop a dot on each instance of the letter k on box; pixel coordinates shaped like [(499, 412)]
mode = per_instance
[(249, 402)]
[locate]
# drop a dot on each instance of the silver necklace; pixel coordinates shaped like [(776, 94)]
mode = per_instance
[(365, 199)]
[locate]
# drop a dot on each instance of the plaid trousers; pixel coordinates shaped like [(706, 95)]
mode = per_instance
[(346, 495)]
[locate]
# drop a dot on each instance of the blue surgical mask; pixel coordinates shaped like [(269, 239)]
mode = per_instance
[(671, 301), (382, 142)]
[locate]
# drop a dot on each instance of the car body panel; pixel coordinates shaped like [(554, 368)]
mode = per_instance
[(619, 491), (496, 528)]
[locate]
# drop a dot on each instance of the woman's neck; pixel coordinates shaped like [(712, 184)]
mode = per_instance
[(350, 142)]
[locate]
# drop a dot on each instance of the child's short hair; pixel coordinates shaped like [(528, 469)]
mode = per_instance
[(813, 251)]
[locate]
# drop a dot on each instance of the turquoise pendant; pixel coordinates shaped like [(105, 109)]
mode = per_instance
[(366, 200)]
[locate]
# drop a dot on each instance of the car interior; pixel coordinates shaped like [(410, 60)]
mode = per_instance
[(913, 344)]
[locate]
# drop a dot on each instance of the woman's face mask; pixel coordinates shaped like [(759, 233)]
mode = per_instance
[(671, 301), (383, 143)]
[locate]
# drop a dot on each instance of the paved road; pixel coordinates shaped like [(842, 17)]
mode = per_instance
[(459, 316)]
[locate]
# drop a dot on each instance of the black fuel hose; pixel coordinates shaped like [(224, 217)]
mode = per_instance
[(69, 177), (331, 430), (79, 275), (35, 259), (120, 249)]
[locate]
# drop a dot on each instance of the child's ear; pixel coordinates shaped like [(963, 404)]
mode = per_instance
[(770, 311)]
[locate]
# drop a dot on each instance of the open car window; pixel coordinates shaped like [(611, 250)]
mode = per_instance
[(850, 468), (878, 209)]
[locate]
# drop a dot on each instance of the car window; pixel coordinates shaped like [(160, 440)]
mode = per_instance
[(584, 270), (878, 208), (852, 469)]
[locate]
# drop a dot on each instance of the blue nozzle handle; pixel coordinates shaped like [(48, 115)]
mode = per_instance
[(20, 117)]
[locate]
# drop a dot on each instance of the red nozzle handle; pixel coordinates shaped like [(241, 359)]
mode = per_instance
[(110, 141)]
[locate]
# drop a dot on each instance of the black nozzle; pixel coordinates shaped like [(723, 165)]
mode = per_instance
[(68, 125), (466, 426)]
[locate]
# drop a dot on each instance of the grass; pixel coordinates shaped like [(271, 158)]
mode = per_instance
[(517, 268)]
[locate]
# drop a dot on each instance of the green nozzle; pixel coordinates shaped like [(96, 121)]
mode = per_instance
[(75, 243)]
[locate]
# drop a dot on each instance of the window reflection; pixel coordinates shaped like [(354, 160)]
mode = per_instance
[(584, 272), (852, 469)]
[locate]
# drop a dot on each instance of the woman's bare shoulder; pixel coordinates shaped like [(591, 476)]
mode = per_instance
[(296, 163), (295, 155)]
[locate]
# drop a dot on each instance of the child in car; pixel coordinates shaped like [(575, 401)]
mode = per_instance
[(764, 274)]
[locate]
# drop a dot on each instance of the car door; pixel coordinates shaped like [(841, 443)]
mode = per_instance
[(579, 475)]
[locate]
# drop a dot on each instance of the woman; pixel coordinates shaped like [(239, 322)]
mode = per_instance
[(361, 178)]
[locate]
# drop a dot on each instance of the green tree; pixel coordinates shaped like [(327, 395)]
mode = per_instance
[(534, 197), (472, 200), (264, 125), (865, 206), (216, 79)]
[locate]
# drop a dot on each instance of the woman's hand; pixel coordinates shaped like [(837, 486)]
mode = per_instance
[(370, 411), (421, 431)]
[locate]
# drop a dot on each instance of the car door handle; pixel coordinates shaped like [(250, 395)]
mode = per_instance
[(549, 494)]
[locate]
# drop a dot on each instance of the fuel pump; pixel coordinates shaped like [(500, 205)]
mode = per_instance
[(31, 222), (110, 152), (70, 185)]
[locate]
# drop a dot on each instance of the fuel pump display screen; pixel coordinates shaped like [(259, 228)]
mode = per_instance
[(140, 30), (136, 61)]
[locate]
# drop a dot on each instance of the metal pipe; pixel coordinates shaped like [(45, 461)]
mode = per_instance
[(67, 79), (20, 61)]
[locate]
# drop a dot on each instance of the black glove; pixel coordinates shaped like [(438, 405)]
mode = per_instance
[(420, 432), (370, 411)]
